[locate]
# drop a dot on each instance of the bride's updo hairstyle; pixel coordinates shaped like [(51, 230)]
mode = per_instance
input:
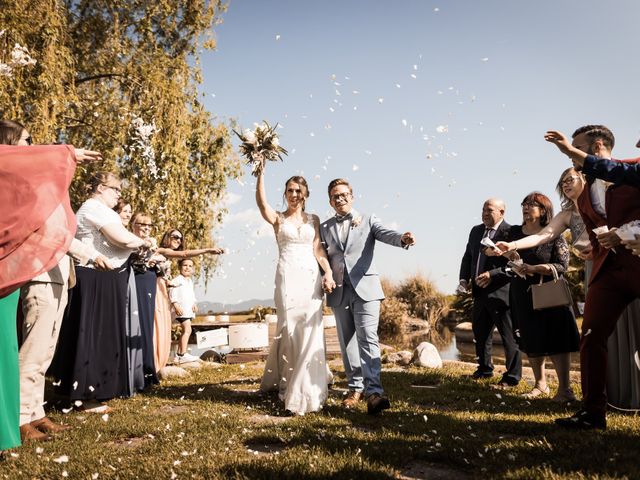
[(300, 181)]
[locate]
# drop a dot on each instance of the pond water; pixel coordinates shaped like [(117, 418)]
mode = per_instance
[(444, 339)]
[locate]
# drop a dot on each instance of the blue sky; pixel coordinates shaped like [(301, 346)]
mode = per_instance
[(427, 107)]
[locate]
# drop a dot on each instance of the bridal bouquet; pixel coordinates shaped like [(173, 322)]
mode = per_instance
[(259, 145)]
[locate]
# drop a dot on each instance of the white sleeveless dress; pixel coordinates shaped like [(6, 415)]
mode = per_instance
[(296, 365)]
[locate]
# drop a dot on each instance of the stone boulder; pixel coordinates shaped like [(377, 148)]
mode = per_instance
[(426, 355), (401, 358), (211, 356), (171, 371)]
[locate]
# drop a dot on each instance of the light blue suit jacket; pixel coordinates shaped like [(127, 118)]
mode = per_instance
[(355, 259)]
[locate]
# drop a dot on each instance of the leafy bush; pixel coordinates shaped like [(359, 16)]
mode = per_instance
[(461, 307), (259, 312), (423, 298), (393, 312)]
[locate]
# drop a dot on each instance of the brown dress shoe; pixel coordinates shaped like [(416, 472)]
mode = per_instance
[(376, 403), (47, 426), (29, 433), (352, 399)]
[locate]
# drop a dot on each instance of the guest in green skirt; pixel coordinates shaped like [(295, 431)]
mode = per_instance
[(9, 383)]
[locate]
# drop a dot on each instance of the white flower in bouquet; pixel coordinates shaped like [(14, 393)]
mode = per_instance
[(260, 145), (249, 136)]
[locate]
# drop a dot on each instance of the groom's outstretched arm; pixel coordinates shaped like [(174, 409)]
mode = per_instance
[(388, 236)]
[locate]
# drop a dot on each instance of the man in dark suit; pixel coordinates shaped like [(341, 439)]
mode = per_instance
[(489, 284)]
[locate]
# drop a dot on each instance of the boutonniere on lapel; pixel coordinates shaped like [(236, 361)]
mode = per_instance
[(356, 221)]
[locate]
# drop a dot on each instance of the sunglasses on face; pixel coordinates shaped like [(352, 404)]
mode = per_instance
[(176, 236), (144, 224)]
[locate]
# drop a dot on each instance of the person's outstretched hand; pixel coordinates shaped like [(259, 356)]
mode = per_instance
[(84, 156), (559, 140), (408, 239)]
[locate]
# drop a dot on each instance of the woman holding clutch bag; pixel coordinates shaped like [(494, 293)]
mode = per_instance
[(550, 332), (623, 374)]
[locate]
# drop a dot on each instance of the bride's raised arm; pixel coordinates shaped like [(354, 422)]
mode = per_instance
[(267, 212)]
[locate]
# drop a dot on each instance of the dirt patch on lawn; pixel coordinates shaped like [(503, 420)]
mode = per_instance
[(129, 443), (430, 471)]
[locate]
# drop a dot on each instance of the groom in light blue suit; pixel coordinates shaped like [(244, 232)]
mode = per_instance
[(349, 239)]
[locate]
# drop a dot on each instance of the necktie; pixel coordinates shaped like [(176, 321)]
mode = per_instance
[(488, 232)]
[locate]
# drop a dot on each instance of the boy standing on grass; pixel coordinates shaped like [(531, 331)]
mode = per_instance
[(183, 299)]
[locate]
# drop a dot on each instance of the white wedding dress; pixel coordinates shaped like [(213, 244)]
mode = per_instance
[(296, 365)]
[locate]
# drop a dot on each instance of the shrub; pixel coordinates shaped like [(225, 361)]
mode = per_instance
[(423, 299), (393, 311), (259, 312), (461, 307)]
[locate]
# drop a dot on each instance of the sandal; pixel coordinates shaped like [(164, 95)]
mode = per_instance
[(537, 392)]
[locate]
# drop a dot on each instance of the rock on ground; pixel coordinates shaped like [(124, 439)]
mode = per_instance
[(401, 358), (426, 355), (171, 371)]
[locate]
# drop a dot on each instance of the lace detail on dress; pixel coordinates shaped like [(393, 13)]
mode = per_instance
[(560, 255), (579, 235)]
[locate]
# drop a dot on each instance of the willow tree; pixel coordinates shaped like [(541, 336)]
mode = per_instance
[(122, 77)]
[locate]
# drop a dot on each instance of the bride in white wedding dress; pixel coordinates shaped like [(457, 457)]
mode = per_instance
[(296, 366)]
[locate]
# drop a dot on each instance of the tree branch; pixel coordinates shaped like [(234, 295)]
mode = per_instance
[(97, 77)]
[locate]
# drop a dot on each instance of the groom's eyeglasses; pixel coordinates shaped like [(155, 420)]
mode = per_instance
[(339, 196)]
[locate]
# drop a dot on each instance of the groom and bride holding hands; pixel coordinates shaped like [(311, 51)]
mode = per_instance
[(336, 257)]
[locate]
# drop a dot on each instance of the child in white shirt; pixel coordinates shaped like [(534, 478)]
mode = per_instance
[(183, 299)]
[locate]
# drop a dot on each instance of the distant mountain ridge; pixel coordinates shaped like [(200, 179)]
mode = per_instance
[(216, 307)]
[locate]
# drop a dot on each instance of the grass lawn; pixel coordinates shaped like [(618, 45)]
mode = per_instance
[(442, 425)]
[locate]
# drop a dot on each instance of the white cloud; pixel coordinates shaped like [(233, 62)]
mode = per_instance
[(231, 198), (250, 215), (251, 223)]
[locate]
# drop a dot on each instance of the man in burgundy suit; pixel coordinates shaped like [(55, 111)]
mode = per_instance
[(614, 281)]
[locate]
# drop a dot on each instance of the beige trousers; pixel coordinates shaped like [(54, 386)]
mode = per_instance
[(43, 306)]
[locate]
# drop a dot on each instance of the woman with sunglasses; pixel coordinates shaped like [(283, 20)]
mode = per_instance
[(172, 245)]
